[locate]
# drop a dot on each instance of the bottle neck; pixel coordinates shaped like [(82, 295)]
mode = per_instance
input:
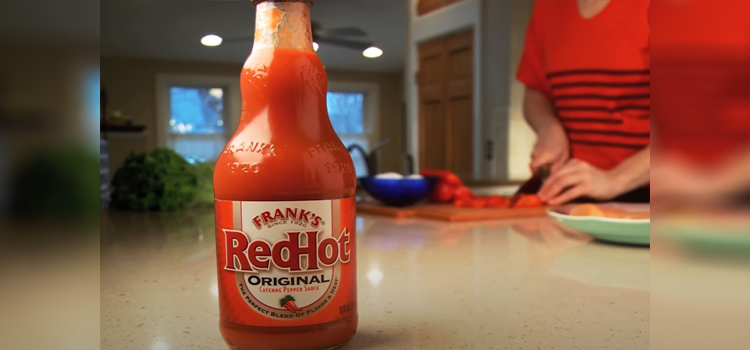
[(283, 24)]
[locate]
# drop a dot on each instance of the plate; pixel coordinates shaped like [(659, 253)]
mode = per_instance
[(624, 231), (705, 236)]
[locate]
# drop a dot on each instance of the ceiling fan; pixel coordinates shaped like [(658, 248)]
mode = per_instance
[(348, 37)]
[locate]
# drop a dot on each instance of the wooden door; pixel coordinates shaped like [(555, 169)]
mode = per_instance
[(460, 100), (446, 101), (432, 106), (427, 6)]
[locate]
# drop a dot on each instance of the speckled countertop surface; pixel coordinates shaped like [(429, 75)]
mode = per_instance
[(523, 284)]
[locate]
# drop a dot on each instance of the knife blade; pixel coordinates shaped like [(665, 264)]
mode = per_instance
[(534, 184)]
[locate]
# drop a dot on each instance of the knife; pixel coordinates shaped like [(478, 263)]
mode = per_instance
[(533, 185)]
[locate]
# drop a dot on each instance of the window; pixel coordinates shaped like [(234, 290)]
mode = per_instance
[(347, 112), (196, 113), (196, 121), (195, 110)]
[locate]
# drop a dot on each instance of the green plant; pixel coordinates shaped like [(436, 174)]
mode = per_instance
[(58, 183), (157, 180), (205, 195)]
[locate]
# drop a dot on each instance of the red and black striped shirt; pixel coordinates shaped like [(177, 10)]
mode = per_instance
[(597, 74)]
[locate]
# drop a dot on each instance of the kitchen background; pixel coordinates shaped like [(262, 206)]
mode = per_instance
[(443, 94), (154, 68)]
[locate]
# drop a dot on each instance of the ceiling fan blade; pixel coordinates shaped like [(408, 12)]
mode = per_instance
[(239, 39), (343, 31), (352, 44)]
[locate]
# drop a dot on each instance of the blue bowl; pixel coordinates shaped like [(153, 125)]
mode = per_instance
[(398, 192)]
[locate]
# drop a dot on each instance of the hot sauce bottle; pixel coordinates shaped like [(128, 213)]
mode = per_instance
[(284, 189)]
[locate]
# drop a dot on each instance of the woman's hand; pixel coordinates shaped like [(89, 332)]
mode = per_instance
[(552, 147), (576, 178), (671, 178), (675, 178)]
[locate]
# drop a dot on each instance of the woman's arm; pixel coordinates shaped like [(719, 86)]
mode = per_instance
[(538, 111), (674, 177), (734, 177), (552, 145), (633, 173)]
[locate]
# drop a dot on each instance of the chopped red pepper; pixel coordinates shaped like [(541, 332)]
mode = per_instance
[(498, 202), (478, 202), (442, 193), (466, 202), (451, 179), (462, 192), (444, 175), (462, 202), (528, 201)]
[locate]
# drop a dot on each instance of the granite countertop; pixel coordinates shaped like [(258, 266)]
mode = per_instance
[(521, 284)]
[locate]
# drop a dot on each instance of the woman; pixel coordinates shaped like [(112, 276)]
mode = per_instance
[(703, 120), (587, 74)]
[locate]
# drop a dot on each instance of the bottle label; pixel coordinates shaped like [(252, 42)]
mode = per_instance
[(286, 263)]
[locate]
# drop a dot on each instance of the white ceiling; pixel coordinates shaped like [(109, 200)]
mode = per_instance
[(171, 29)]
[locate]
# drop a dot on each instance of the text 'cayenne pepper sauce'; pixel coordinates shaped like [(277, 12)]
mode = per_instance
[(285, 208)]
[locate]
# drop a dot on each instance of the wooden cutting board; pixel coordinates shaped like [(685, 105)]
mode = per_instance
[(447, 212), (453, 214), (376, 208)]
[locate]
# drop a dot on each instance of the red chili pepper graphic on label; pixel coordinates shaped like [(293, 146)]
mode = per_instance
[(288, 302)]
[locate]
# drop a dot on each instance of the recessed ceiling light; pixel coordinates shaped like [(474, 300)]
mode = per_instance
[(211, 40), (372, 52), (315, 46)]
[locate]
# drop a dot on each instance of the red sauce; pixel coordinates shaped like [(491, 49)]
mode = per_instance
[(294, 178)]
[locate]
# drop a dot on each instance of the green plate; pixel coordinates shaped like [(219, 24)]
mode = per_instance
[(625, 231), (707, 238)]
